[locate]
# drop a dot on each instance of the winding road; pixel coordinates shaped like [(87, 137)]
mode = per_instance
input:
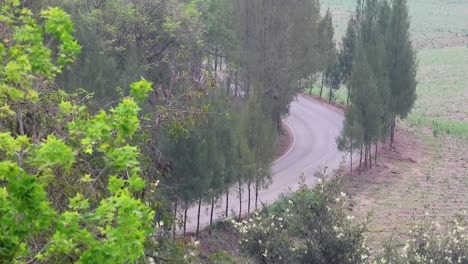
[(314, 127)]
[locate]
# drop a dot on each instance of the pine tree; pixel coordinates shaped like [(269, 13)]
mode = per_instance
[(403, 66), (327, 47), (346, 55)]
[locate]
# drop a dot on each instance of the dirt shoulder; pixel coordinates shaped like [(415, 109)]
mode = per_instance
[(422, 174)]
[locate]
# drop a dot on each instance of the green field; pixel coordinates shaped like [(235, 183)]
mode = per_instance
[(435, 23), (440, 34)]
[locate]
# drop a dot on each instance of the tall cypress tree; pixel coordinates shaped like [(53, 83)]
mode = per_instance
[(403, 66), (327, 47), (346, 55)]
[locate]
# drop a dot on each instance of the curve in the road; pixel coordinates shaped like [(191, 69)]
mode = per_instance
[(314, 126)]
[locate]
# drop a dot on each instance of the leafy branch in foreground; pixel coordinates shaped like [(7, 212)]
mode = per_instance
[(110, 227)]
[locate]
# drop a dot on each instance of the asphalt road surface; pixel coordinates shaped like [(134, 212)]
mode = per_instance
[(314, 127)]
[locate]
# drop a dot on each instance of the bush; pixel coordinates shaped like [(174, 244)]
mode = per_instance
[(312, 228), (430, 242)]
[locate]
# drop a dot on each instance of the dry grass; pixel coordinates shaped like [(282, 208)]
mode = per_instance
[(422, 174)]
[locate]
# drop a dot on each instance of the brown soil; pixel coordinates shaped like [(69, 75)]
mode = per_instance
[(422, 174), (223, 239)]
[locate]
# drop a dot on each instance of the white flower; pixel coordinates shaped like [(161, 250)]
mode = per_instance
[(320, 181), (337, 200), (290, 202), (364, 256), (350, 217), (260, 242), (343, 194)]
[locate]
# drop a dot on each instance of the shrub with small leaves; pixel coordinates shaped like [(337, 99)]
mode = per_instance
[(307, 226), (431, 242)]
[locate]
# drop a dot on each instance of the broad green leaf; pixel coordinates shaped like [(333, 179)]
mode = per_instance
[(140, 89), (136, 183), (115, 184), (53, 152)]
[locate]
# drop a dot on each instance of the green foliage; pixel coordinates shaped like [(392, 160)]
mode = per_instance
[(309, 226), (222, 257), (53, 152), (112, 228), (429, 241), (382, 80), (140, 90)]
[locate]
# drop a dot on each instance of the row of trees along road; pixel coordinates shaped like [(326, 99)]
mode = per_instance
[(382, 82), (205, 130), (202, 130)]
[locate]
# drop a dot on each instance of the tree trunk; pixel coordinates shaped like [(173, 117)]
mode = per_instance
[(175, 219), (351, 154), (216, 61), (376, 149), (228, 83), (185, 220), (365, 156), (370, 155), (236, 84), (248, 201), (360, 160), (211, 215), (247, 86), (321, 88), (330, 95), (198, 218), (240, 200), (19, 117), (392, 132), (347, 96), (227, 203), (257, 184)]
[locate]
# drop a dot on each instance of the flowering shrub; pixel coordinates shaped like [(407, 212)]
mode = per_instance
[(430, 242), (311, 227)]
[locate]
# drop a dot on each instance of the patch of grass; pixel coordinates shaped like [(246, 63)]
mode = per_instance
[(339, 96), (434, 23), (442, 126), (443, 83), (222, 258)]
